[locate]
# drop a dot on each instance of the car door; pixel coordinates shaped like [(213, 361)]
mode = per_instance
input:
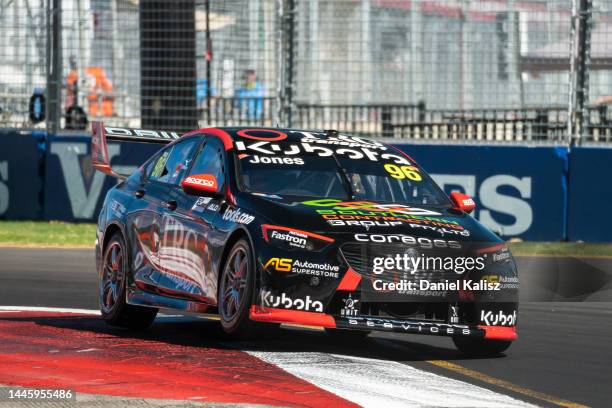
[(146, 223), (187, 243)]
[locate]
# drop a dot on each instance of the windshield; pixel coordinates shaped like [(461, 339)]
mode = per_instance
[(339, 177)]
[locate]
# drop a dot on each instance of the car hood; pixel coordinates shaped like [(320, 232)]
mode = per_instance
[(331, 217)]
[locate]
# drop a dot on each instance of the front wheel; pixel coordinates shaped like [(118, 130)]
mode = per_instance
[(481, 347), (236, 290), (113, 283)]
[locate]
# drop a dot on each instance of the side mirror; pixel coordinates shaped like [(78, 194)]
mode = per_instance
[(200, 184), (463, 202)]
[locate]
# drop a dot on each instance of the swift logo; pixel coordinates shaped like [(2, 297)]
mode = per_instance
[(499, 319), (285, 302)]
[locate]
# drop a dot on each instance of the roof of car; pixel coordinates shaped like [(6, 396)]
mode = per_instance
[(284, 135)]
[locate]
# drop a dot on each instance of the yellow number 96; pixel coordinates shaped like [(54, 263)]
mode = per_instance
[(400, 173)]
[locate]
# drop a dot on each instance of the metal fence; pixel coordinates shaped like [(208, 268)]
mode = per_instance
[(491, 70)]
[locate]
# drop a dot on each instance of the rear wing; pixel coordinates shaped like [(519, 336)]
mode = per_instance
[(101, 133)]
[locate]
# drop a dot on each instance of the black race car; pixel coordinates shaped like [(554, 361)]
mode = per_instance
[(266, 226)]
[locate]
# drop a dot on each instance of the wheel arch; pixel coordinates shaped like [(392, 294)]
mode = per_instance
[(109, 231), (235, 236)]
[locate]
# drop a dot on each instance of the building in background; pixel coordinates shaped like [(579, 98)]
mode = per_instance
[(424, 55)]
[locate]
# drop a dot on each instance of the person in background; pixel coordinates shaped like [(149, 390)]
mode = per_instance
[(98, 88), (99, 92), (249, 98), (71, 85)]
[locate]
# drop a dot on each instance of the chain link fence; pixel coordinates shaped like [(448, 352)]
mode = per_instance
[(482, 70)]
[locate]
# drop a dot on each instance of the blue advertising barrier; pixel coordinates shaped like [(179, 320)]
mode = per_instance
[(73, 191), (519, 191), (590, 194), (20, 175)]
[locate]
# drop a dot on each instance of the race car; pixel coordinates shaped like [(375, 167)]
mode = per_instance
[(268, 226)]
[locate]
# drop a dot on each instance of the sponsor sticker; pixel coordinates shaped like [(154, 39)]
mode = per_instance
[(201, 180), (422, 242), (350, 307), (409, 326), (344, 146), (200, 203), (257, 159), (292, 238), (117, 208), (284, 301), (214, 207), (489, 318), (288, 265), (236, 215)]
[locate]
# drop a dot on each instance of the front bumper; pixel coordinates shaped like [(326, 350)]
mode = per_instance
[(375, 323)]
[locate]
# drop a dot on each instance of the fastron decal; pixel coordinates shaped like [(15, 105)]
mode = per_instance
[(293, 238)]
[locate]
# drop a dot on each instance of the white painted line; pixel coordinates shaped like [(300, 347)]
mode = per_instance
[(8, 309), (380, 383), (17, 309)]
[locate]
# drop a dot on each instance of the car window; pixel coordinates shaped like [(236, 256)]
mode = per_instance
[(210, 160), (172, 163), (310, 175)]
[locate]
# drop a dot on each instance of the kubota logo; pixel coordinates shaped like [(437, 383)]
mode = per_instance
[(284, 301), (498, 319), (279, 264)]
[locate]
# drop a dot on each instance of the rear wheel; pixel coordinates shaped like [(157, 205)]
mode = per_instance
[(113, 283), (236, 291), (481, 347)]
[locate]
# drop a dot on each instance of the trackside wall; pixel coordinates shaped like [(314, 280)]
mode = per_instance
[(534, 193)]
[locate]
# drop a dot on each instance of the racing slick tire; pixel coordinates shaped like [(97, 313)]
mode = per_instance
[(347, 333), (113, 283), (236, 285), (481, 347)]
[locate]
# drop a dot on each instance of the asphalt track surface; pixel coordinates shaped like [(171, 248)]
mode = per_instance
[(563, 356)]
